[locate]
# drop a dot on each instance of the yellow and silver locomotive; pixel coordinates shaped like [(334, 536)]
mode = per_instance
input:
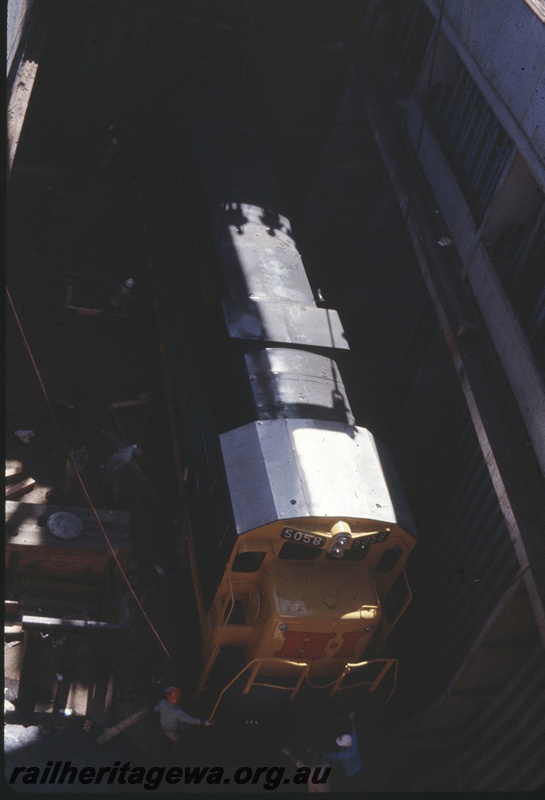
[(301, 529)]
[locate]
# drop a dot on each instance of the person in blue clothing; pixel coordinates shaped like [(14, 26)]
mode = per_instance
[(174, 720), (346, 760)]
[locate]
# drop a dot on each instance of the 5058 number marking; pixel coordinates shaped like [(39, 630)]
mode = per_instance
[(303, 537)]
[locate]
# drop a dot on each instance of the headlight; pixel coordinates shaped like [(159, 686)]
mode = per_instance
[(339, 544)]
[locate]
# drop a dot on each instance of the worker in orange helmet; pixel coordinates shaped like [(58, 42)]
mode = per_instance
[(173, 719)]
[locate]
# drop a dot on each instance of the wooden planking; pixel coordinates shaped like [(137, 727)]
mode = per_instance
[(11, 608), (62, 566), (26, 528), (23, 486), (30, 622), (13, 468)]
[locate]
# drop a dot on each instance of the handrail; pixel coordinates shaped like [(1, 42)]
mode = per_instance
[(223, 619), (388, 663), (304, 666), (255, 663)]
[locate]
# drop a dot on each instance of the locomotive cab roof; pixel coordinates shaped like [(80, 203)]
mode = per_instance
[(295, 468)]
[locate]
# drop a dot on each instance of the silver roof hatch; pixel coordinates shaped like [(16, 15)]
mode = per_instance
[(296, 384), (284, 322)]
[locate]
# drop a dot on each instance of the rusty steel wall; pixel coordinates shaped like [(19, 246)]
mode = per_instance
[(481, 489)]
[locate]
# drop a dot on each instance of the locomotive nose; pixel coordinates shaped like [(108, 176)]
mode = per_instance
[(323, 613)]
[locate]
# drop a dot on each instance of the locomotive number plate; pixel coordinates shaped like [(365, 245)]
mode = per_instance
[(377, 537), (303, 537)]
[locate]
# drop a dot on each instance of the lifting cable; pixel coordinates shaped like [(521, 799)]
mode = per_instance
[(84, 489)]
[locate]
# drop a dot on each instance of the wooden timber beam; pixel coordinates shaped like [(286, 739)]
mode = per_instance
[(109, 733), (36, 623)]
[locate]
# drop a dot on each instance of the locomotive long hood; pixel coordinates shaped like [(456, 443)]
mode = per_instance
[(287, 469)]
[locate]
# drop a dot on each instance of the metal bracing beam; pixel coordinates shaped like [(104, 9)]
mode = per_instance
[(24, 60), (18, 105), (506, 331), (530, 150), (473, 356)]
